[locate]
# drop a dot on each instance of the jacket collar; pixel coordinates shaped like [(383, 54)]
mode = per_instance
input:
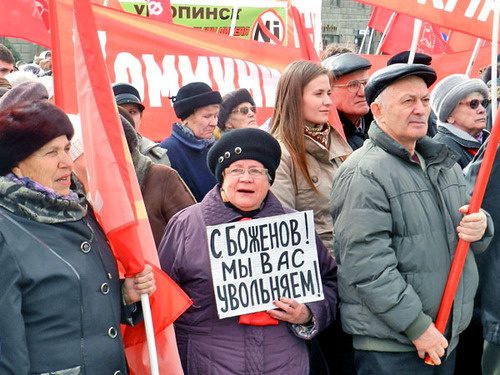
[(338, 147), (187, 137), (215, 212), (431, 150)]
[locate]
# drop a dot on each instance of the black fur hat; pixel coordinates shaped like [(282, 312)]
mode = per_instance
[(26, 127), (192, 96), (239, 144)]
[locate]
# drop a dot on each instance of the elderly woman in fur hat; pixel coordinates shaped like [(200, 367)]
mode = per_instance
[(244, 162), (61, 296), (197, 106)]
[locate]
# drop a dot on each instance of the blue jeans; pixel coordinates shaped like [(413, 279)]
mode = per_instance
[(391, 363)]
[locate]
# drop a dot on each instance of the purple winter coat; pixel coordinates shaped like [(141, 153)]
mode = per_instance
[(212, 346)]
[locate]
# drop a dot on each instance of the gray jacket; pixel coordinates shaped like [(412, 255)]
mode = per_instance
[(394, 240), (59, 289)]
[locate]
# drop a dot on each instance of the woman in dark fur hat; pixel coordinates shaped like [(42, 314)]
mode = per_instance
[(61, 296), (197, 106)]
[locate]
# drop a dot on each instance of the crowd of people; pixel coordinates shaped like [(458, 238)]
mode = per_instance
[(389, 192)]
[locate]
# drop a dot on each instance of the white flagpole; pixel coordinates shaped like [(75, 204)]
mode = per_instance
[(150, 334), (494, 53), (473, 56), (233, 19), (370, 41), (393, 15), (416, 37), (367, 30)]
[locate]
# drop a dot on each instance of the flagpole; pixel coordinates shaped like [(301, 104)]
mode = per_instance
[(367, 30), (473, 56), (494, 53), (393, 15), (416, 36), (150, 334), (370, 41), (233, 19)]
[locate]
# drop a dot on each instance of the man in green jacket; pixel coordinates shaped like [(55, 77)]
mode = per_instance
[(399, 205)]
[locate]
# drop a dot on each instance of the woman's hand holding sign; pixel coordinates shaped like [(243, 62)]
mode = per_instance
[(291, 311)]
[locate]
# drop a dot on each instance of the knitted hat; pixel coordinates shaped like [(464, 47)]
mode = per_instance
[(25, 91), (239, 144), (26, 127), (192, 96), (126, 93), (450, 90), (231, 101), (402, 58), (388, 75)]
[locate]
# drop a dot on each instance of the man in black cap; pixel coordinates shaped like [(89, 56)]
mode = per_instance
[(350, 74), (128, 97), (399, 206)]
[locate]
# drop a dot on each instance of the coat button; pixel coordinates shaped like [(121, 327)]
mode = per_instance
[(117, 372), (112, 332), (314, 179), (104, 288), (85, 247)]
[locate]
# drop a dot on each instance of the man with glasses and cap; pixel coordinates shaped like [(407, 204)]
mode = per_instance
[(399, 206), (350, 74)]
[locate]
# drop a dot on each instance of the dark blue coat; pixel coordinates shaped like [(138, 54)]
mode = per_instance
[(188, 156)]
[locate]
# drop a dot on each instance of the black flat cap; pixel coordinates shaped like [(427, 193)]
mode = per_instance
[(402, 58), (126, 93), (345, 63), (385, 77)]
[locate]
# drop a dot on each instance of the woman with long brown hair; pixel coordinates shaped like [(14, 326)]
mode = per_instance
[(312, 149)]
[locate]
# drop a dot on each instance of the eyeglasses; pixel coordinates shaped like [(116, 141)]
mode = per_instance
[(474, 103), (353, 86), (244, 110), (253, 172)]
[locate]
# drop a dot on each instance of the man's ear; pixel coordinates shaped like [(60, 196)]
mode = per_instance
[(376, 109)]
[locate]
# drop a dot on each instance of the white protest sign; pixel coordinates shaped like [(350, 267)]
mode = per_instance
[(255, 262)]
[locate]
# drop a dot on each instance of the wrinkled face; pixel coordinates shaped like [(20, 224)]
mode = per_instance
[(203, 121), (246, 191), (316, 100), (242, 116), (50, 165), (350, 100), (469, 119), (135, 112), (6, 68), (402, 110)]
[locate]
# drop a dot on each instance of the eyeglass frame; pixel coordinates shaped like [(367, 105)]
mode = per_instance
[(472, 103), (354, 83), (262, 172), (246, 109)]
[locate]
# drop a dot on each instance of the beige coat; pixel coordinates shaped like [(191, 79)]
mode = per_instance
[(322, 164)]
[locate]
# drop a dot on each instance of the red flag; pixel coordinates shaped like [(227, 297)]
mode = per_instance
[(24, 19), (115, 192), (400, 33), (160, 10), (470, 17)]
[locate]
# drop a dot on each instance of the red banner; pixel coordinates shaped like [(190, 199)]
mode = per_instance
[(159, 58), (473, 17)]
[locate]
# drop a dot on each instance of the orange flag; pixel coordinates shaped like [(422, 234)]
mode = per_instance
[(115, 193)]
